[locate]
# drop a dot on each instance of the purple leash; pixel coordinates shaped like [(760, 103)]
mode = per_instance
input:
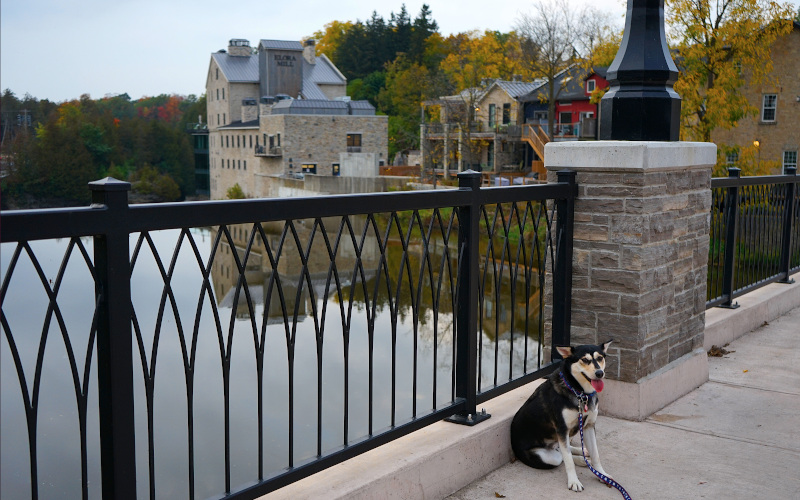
[(584, 398)]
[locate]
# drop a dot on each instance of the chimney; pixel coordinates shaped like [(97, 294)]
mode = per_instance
[(239, 47), (310, 51)]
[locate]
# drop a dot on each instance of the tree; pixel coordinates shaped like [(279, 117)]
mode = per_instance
[(330, 37), (721, 44), (550, 38), (424, 26)]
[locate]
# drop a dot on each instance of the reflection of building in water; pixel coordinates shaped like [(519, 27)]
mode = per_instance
[(505, 305), (500, 309), (286, 248)]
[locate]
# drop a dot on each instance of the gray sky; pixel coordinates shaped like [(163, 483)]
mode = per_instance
[(60, 49)]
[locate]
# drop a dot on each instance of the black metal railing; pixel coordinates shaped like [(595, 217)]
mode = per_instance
[(288, 334), (755, 234)]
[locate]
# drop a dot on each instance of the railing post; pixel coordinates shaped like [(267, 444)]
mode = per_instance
[(562, 275), (467, 313), (731, 219), (786, 240), (114, 342)]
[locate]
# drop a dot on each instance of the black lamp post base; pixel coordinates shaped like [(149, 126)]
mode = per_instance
[(640, 115)]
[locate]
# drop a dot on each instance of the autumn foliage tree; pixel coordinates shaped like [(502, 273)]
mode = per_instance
[(75, 142), (720, 45)]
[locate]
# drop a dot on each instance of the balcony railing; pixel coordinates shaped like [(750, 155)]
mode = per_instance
[(755, 234), (272, 151), (288, 335), (353, 149)]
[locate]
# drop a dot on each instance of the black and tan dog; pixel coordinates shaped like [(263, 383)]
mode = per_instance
[(542, 428)]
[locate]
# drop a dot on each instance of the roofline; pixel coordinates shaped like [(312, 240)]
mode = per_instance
[(323, 56)]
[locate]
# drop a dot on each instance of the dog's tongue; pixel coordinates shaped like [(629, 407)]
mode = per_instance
[(598, 384)]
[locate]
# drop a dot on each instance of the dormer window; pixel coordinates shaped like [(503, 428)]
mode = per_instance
[(590, 86)]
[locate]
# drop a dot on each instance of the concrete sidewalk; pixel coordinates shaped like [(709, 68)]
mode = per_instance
[(737, 436)]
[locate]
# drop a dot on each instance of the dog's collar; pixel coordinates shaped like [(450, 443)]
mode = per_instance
[(583, 398)]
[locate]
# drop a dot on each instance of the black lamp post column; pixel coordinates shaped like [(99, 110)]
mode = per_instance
[(641, 104)]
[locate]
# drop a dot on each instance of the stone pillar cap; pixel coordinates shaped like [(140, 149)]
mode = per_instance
[(629, 156)]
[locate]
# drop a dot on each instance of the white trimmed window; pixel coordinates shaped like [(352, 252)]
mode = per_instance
[(732, 157), (790, 159), (590, 86), (769, 106)]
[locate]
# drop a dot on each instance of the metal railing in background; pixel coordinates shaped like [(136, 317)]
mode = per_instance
[(453, 282), (755, 234)]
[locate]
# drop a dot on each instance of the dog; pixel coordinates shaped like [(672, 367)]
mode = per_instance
[(542, 428)]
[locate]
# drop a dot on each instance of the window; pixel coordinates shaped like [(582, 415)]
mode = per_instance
[(309, 168), (251, 141), (506, 113), (226, 141), (217, 73), (732, 157), (237, 142), (769, 105), (217, 118), (590, 86), (218, 94), (224, 119), (239, 163), (335, 169), (790, 159), (245, 165), (492, 115), (223, 93), (279, 140), (353, 143)]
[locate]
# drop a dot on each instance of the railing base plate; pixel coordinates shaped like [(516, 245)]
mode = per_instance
[(470, 419)]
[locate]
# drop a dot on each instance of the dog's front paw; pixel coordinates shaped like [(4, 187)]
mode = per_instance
[(575, 485), (606, 474)]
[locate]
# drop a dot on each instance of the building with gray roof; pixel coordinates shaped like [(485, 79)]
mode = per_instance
[(280, 111)]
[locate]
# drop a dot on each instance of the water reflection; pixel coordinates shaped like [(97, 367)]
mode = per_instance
[(306, 337)]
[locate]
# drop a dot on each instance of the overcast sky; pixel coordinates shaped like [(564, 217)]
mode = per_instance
[(60, 49)]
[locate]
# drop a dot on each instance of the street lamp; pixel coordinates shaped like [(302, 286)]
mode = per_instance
[(640, 104), (757, 144)]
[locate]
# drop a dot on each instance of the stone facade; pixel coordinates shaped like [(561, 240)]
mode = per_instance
[(640, 249), (303, 140), (782, 134)]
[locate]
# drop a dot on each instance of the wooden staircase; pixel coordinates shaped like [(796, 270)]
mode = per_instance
[(536, 137)]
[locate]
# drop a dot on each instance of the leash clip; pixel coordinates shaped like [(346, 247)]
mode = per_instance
[(583, 403)]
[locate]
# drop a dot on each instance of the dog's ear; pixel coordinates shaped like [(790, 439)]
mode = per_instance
[(606, 344), (565, 351)]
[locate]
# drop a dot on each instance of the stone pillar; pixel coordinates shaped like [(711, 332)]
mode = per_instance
[(640, 262)]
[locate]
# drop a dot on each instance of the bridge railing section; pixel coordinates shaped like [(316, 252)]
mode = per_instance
[(755, 234), (232, 347)]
